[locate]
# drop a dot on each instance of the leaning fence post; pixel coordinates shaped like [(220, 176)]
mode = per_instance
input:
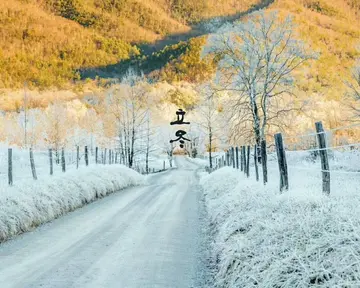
[(51, 162), (32, 164), (86, 156), (77, 156), (10, 170), (63, 165), (256, 162), (96, 155), (248, 162), (323, 157), (281, 155)]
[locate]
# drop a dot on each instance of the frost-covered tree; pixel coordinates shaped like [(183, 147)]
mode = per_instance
[(208, 112), (56, 127), (257, 59), (354, 86), (128, 105)]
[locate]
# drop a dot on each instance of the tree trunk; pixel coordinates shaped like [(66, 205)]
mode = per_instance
[(131, 159), (210, 149), (264, 161), (256, 162), (256, 128)]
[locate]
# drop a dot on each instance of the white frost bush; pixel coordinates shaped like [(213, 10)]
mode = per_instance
[(30, 203), (296, 239)]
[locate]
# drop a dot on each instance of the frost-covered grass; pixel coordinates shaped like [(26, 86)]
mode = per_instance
[(300, 238), (30, 203)]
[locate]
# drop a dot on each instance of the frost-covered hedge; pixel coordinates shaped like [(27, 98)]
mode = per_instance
[(31, 203), (298, 239)]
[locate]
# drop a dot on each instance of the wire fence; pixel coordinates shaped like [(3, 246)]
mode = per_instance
[(25, 164), (323, 159)]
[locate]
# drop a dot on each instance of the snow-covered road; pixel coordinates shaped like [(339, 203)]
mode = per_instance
[(140, 237)]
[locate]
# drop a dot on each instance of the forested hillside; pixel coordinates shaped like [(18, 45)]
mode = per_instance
[(66, 43), (47, 42)]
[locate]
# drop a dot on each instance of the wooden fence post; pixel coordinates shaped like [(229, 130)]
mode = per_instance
[(233, 156), (32, 164), (237, 157), (86, 156), (256, 162), (241, 159), (51, 162), (281, 155), (164, 165), (10, 170), (116, 158), (105, 156), (244, 158), (96, 155), (77, 156), (323, 157), (248, 162), (63, 164)]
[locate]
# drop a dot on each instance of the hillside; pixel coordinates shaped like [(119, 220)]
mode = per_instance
[(46, 42), (333, 29), (67, 43)]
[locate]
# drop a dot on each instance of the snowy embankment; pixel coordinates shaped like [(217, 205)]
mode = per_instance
[(198, 161), (296, 239), (30, 203)]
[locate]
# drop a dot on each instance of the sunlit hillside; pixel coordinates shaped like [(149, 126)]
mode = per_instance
[(47, 42), (333, 29), (66, 44)]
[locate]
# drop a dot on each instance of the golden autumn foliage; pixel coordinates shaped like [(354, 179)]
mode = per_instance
[(48, 43), (333, 29)]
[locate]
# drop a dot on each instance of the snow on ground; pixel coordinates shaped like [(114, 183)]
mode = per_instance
[(22, 169), (300, 238), (147, 236), (198, 161), (156, 162), (30, 203)]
